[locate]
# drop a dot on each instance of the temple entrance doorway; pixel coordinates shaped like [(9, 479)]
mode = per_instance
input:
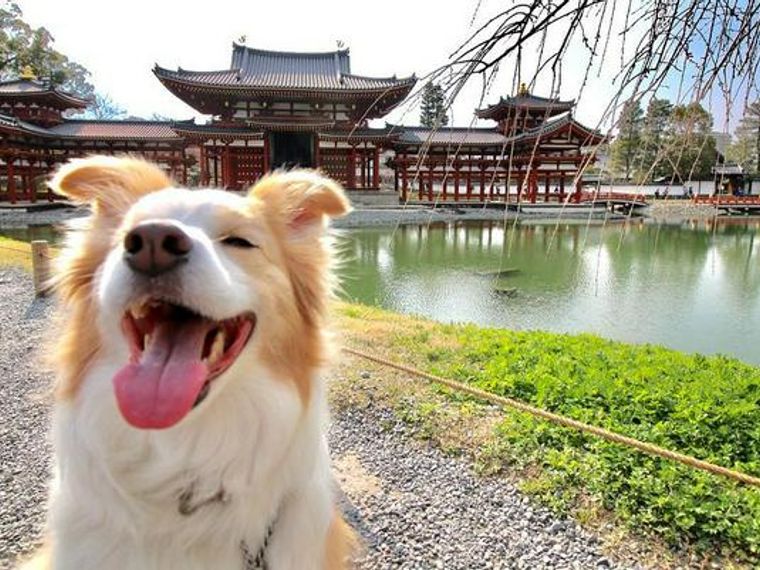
[(292, 149)]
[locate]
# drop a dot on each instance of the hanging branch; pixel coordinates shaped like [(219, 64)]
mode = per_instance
[(711, 41)]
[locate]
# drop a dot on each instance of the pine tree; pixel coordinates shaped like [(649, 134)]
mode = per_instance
[(745, 150), (690, 152), (433, 108), (626, 146), (653, 135)]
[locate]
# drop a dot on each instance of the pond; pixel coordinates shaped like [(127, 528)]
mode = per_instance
[(693, 287)]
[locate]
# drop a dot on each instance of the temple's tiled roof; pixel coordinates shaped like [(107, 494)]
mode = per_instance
[(115, 130), (190, 129), (489, 136), (361, 134), (22, 86), (28, 88), (448, 136), (17, 125), (254, 68), (523, 101), (96, 130), (264, 63), (555, 124), (302, 124)]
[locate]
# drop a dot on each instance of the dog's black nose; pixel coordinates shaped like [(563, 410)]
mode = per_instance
[(153, 248)]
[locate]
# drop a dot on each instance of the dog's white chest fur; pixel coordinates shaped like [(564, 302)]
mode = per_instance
[(118, 494)]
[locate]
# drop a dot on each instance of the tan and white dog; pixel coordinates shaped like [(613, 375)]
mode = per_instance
[(189, 427)]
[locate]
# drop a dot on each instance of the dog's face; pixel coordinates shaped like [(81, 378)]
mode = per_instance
[(185, 286)]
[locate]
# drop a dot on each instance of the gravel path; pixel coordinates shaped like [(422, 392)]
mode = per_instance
[(416, 508), (24, 448), (413, 506)]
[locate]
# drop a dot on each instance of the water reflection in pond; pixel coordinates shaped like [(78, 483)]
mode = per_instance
[(693, 287)]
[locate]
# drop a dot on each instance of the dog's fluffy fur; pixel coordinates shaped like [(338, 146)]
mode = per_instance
[(258, 435)]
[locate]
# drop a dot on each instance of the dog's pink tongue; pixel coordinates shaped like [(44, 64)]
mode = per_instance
[(160, 389)]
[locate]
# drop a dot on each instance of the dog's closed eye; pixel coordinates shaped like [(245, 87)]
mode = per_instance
[(236, 241)]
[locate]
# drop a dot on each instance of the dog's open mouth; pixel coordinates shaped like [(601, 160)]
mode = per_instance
[(175, 354)]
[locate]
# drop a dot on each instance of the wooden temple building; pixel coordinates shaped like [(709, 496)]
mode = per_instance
[(272, 109), (35, 137), (535, 150)]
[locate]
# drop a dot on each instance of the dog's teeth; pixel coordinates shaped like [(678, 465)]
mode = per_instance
[(217, 348), (146, 340)]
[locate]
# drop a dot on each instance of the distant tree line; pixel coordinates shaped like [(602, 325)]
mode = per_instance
[(669, 142), (665, 142), (745, 148)]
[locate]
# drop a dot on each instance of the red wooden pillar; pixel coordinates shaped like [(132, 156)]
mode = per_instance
[(445, 181), (368, 174), (227, 178), (266, 153), (546, 188), (533, 183), (456, 182), (351, 166), (507, 182), (11, 179), (48, 168), (562, 187), (431, 179), (404, 178), (482, 182), (519, 186), (214, 155), (578, 190), (376, 169), (25, 182), (362, 168), (317, 156), (30, 178), (184, 167), (419, 176), (492, 161), (204, 165), (469, 175)]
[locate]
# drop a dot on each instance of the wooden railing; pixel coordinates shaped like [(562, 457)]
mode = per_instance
[(587, 196), (727, 200)]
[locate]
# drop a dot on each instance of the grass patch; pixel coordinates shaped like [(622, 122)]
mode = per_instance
[(702, 406), (15, 253)]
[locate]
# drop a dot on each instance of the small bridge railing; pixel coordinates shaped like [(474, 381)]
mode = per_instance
[(612, 196), (726, 200)]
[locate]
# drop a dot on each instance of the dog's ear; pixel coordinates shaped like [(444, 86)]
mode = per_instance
[(302, 199), (109, 184)]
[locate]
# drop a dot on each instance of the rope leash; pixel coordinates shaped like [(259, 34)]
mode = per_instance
[(614, 437)]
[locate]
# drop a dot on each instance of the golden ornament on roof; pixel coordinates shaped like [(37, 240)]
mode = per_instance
[(28, 73)]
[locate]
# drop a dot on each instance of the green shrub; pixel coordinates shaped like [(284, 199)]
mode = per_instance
[(707, 407)]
